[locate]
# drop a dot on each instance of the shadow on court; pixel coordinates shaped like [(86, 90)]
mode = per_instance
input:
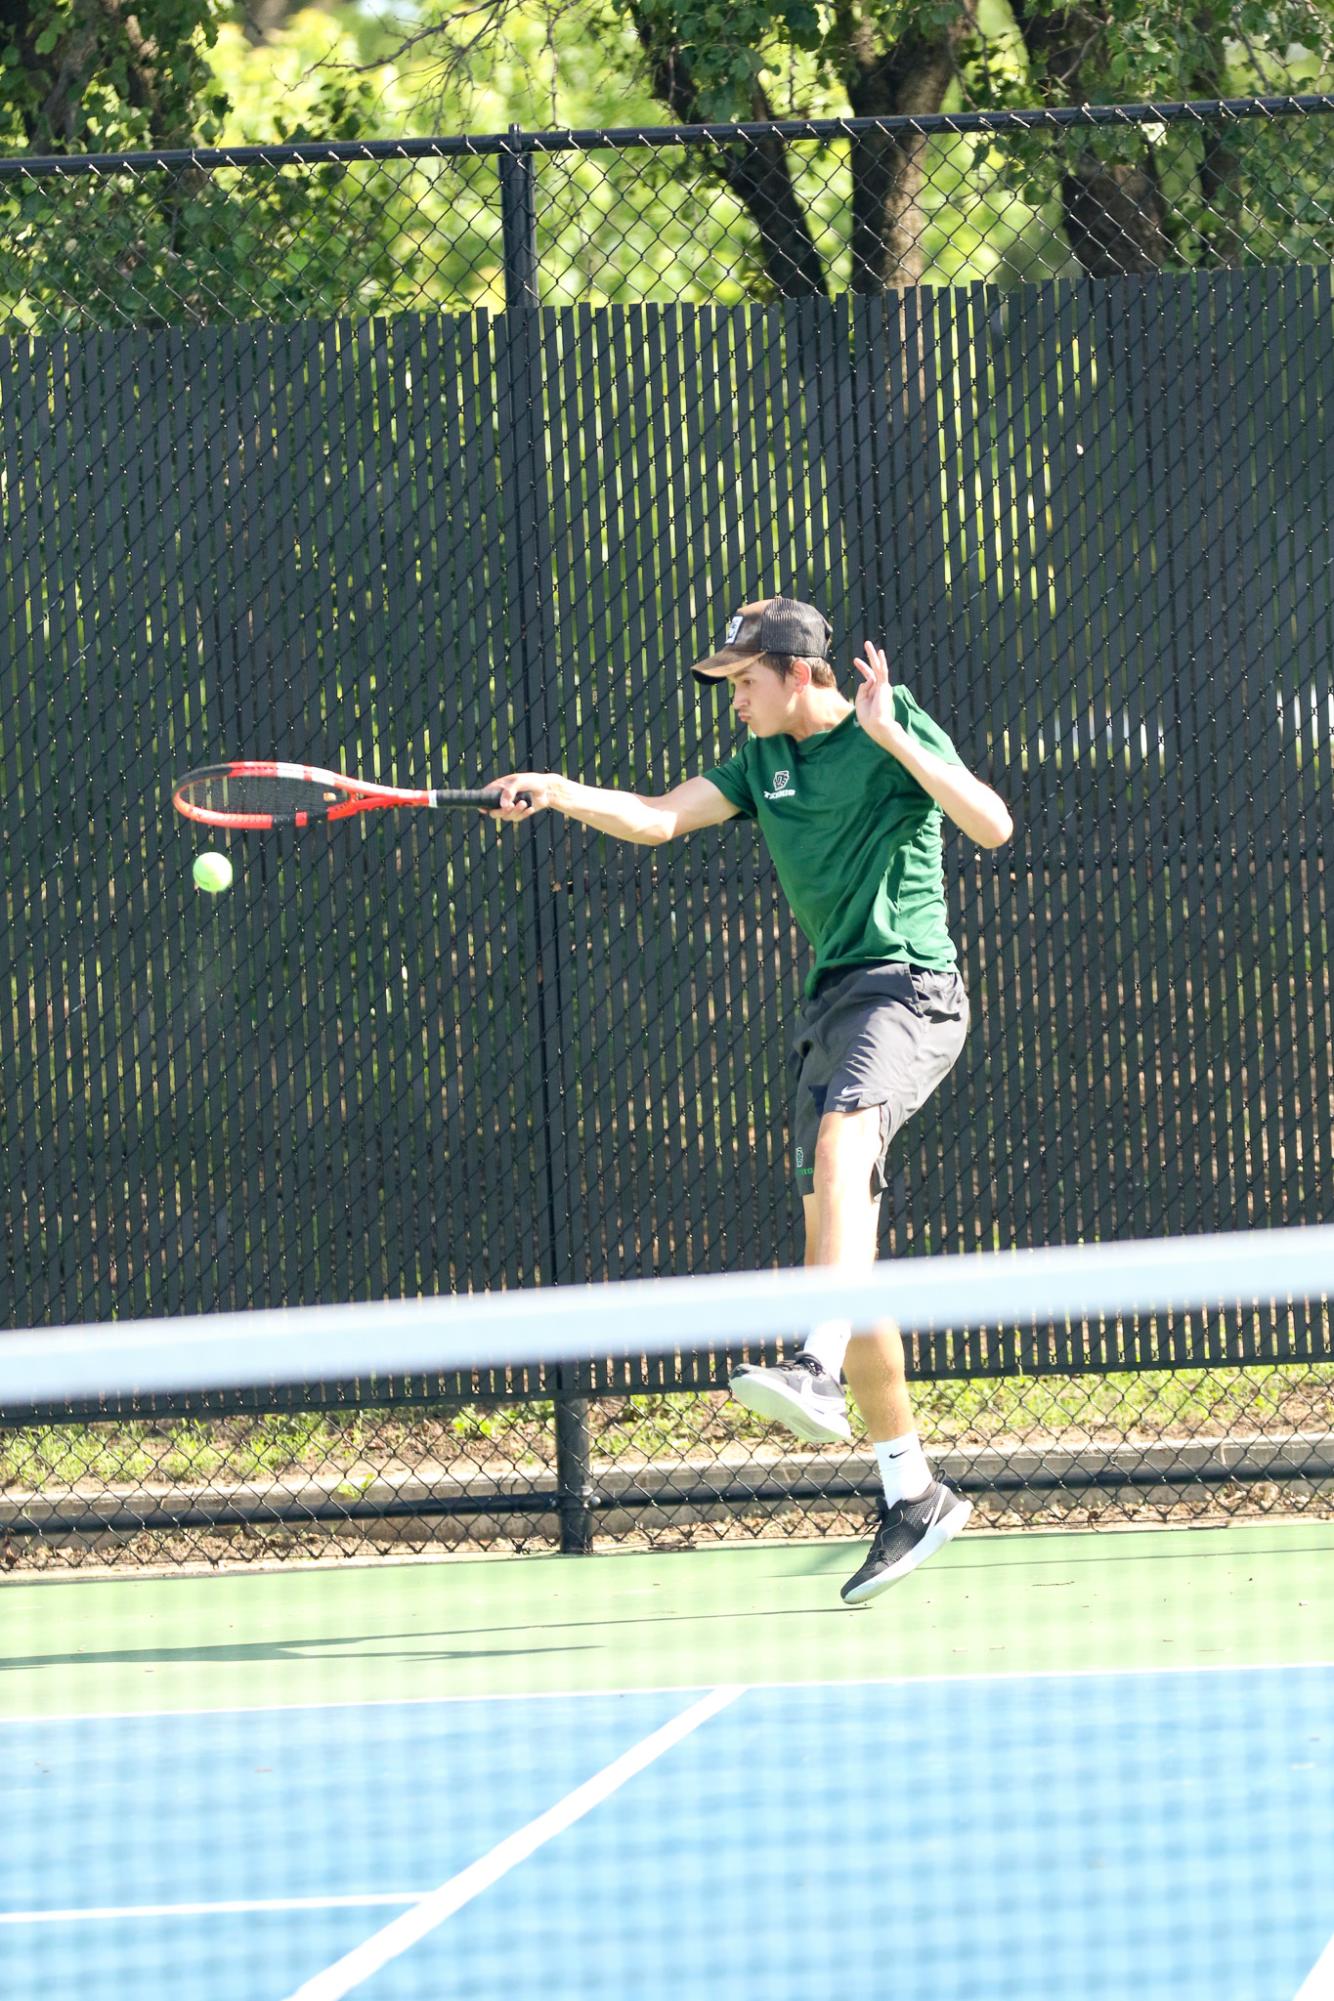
[(351, 1646)]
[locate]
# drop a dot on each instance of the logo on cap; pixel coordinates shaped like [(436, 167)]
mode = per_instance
[(733, 627)]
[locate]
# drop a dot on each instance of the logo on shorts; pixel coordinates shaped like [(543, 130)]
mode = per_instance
[(782, 783)]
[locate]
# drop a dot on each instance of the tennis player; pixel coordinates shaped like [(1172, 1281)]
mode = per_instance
[(851, 800)]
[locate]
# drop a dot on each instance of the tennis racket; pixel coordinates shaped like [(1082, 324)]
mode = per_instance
[(297, 795)]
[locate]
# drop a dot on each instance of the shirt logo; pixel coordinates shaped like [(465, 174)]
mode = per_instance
[(782, 782)]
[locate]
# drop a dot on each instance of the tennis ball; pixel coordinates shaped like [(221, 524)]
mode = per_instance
[(213, 873)]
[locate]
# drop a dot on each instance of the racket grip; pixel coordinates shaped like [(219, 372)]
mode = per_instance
[(488, 800)]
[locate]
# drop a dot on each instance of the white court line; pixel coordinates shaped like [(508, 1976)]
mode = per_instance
[(1319, 1982), (354, 1901), (394, 1938)]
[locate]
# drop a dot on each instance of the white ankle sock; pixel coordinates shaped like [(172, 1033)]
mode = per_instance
[(903, 1468), (829, 1344)]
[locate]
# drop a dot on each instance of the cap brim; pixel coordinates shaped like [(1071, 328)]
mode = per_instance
[(721, 663)]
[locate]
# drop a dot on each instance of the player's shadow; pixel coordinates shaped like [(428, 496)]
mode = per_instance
[(348, 1647)]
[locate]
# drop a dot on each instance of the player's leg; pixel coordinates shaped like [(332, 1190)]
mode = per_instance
[(842, 1228), (870, 1051), (841, 1214), (918, 1513), (802, 1392), (895, 1032)]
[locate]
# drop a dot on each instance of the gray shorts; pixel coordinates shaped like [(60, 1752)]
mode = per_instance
[(874, 1035)]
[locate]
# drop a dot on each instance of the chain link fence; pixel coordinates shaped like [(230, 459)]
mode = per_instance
[(661, 1470), (711, 215), (292, 466)]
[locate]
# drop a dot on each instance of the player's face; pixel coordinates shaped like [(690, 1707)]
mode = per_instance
[(762, 700)]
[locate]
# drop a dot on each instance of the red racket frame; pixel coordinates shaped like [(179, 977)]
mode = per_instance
[(359, 795)]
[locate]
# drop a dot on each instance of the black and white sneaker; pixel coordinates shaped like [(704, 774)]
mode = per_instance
[(908, 1534), (798, 1394)]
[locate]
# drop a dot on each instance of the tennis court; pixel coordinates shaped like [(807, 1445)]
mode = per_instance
[(1049, 1766)]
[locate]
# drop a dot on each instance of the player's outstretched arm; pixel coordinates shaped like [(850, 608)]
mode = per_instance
[(626, 816)]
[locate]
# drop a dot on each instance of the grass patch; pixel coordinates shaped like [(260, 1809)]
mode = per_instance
[(357, 1446)]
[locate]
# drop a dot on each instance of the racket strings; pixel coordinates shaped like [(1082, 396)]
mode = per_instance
[(279, 797)]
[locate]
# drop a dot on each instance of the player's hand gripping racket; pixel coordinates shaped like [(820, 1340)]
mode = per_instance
[(298, 795)]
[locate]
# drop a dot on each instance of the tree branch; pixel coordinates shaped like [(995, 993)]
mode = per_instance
[(52, 122), (1114, 219), (1059, 45), (756, 170)]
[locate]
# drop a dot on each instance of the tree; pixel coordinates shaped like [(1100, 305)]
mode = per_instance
[(94, 75), (728, 60), (265, 21), (1116, 219), (171, 246), (703, 70)]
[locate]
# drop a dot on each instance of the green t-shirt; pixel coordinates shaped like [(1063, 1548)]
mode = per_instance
[(854, 838)]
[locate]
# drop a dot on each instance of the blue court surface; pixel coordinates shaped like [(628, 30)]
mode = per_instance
[(1166, 1836)]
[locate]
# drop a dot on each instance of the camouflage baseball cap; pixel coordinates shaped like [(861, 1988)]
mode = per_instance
[(773, 625)]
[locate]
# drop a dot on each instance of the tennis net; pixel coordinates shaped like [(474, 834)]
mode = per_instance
[(1024, 1766)]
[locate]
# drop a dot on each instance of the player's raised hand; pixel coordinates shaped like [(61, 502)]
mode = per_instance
[(523, 793), (875, 697)]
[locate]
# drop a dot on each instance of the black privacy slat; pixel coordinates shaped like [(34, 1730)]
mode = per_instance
[(421, 1054)]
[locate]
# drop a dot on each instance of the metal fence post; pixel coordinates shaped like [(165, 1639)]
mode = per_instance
[(518, 219), (530, 572)]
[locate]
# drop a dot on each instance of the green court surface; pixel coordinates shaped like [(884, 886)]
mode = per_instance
[(991, 1604)]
